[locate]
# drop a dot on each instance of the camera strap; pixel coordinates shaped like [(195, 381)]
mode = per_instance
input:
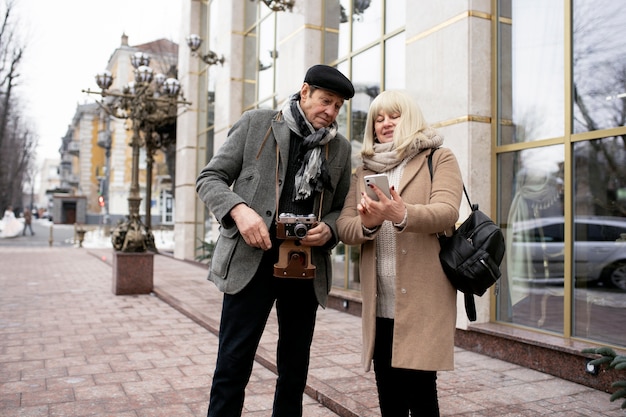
[(267, 134)]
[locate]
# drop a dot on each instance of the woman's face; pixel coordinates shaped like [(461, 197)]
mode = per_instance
[(384, 125)]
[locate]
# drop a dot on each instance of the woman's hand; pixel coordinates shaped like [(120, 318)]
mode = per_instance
[(373, 212)]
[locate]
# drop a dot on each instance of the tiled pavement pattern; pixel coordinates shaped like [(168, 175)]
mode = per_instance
[(69, 347)]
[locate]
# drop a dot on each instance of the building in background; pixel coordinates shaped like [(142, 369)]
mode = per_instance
[(71, 201), (49, 182)]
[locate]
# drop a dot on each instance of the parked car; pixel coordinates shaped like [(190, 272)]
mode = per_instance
[(537, 251), (46, 215)]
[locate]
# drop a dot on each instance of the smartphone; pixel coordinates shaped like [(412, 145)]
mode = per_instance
[(381, 181)]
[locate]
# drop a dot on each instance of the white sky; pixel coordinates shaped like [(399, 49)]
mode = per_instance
[(68, 42)]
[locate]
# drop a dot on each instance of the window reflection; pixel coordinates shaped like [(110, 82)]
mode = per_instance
[(342, 117), (346, 267), (600, 239), (599, 65), (395, 62), (366, 73), (344, 28), (530, 81), (266, 55), (366, 22), (533, 271), (531, 70), (366, 79), (395, 14)]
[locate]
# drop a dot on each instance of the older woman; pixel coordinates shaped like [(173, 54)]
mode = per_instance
[(409, 307)]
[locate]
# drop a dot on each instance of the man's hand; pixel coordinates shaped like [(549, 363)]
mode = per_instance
[(251, 226), (317, 235)]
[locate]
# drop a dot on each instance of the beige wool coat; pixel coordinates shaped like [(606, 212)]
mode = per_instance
[(425, 311)]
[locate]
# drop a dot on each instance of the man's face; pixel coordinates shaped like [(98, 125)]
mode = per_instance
[(320, 107)]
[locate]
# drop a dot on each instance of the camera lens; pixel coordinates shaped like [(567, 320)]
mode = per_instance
[(300, 230)]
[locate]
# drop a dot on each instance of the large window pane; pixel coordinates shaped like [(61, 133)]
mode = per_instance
[(342, 117), (366, 71), (366, 79), (599, 65), (366, 22), (395, 62), (344, 28), (265, 63), (531, 288), (395, 14), (600, 240), (531, 72), (346, 267)]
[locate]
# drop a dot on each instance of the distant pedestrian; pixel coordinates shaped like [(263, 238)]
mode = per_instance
[(28, 219)]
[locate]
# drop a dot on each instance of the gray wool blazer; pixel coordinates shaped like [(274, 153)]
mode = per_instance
[(244, 171)]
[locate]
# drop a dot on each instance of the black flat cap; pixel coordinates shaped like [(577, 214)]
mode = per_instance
[(331, 79)]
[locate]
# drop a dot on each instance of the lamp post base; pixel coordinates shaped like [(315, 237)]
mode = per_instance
[(132, 272), (133, 236)]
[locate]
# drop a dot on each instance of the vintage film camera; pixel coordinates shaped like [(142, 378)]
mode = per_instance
[(294, 259)]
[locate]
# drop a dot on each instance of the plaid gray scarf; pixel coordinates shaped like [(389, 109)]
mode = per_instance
[(313, 175)]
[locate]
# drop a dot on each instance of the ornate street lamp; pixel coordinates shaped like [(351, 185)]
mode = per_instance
[(151, 104), (279, 5), (210, 58)]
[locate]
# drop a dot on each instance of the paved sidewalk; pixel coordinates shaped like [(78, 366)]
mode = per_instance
[(69, 347)]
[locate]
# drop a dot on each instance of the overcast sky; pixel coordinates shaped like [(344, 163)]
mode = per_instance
[(68, 42)]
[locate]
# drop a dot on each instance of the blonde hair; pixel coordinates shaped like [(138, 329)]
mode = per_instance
[(410, 124)]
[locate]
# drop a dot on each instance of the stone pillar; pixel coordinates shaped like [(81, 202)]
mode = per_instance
[(132, 273), (448, 67)]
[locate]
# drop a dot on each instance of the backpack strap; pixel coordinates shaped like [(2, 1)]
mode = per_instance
[(470, 305), (430, 163), (430, 169)]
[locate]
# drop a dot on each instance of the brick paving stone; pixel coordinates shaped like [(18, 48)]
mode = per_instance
[(69, 348)]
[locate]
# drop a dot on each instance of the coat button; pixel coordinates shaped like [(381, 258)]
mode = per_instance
[(268, 213), (403, 290), (404, 251)]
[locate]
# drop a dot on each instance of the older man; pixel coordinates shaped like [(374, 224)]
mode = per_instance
[(274, 162)]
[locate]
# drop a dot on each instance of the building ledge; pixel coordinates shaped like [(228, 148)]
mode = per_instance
[(551, 354), (348, 301)]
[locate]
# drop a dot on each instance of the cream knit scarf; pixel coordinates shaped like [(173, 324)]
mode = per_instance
[(385, 156)]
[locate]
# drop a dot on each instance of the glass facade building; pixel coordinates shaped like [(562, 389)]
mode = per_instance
[(561, 164), (529, 94)]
